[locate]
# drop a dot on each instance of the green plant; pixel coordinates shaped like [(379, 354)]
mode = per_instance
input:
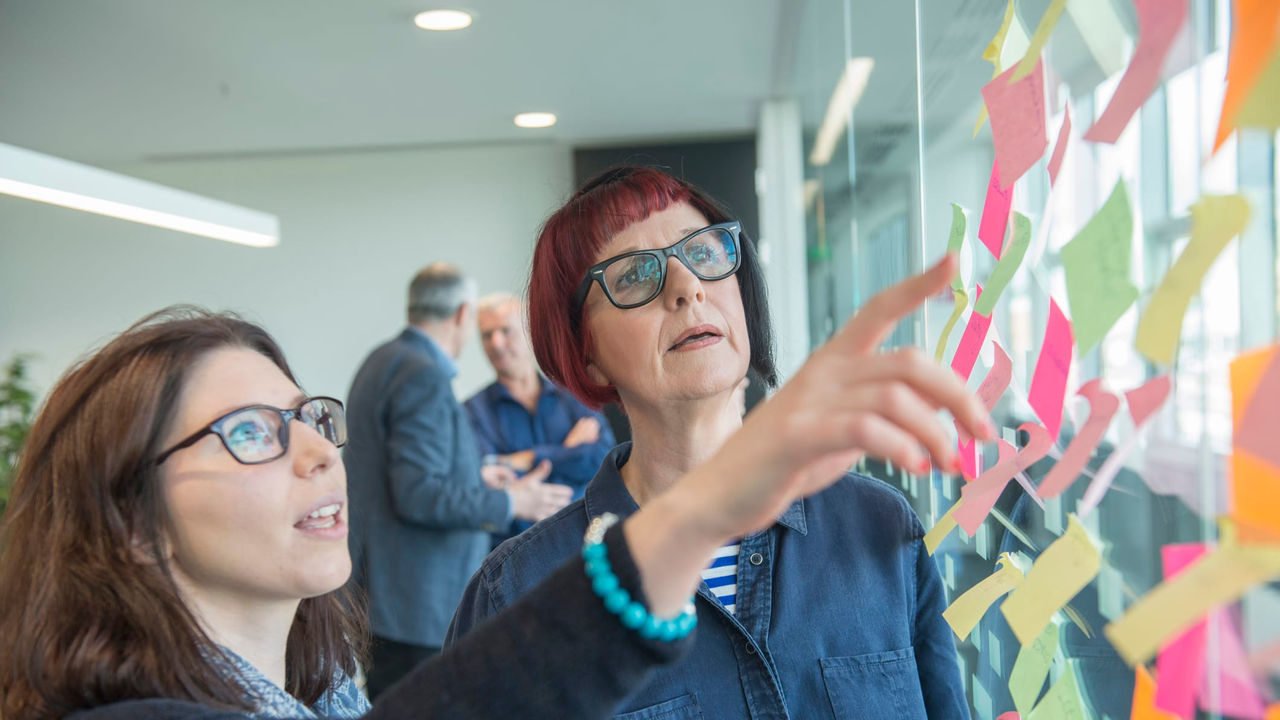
[(17, 409)]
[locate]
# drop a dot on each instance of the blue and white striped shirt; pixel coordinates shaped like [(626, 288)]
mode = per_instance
[(722, 576)]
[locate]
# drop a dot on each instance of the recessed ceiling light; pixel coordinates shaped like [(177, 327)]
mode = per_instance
[(442, 20), (535, 120)]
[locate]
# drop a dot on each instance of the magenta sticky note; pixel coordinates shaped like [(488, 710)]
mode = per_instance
[(1147, 398), (995, 212), (1180, 663), (1238, 693), (1060, 147), (993, 386), (1158, 24), (1017, 121), (1011, 715), (975, 332), (1049, 382)]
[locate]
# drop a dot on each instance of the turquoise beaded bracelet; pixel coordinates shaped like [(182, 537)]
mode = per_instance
[(618, 601)]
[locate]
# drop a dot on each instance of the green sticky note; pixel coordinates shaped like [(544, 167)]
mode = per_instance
[(1031, 668), (958, 221), (1062, 702), (962, 301), (1096, 262), (1005, 268)]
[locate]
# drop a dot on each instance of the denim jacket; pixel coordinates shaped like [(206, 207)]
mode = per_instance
[(839, 611)]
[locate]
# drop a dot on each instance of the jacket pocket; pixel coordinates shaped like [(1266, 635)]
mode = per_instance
[(684, 707), (877, 686)]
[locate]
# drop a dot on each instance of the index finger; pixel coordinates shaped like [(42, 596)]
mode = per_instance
[(876, 319)]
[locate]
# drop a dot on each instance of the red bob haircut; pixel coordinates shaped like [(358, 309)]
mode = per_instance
[(568, 244)]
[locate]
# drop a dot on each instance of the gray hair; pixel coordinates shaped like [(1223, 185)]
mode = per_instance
[(437, 291), (495, 300)]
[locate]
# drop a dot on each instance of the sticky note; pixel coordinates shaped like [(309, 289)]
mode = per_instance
[(1006, 266), (995, 212), (1158, 24), (1273, 711), (1066, 566), (1261, 109), (1096, 263), (940, 530), (1259, 425), (1220, 577), (975, 332), (1144, 698), (1143, 402), (978, 497), (992, 54), (1062, 702), (968, 609), (1255, 472), (1011, 715), (1215, 219), (955, 242), (1180, 663), (1238, 693), (1060, 146), (1031, 668), (1102, 407), (961, 299), (1102, 31), (1049, 381), (1017, 116), (1253, 43), (1041, 36)]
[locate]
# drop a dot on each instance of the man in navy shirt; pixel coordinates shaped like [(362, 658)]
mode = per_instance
[(523, 419)]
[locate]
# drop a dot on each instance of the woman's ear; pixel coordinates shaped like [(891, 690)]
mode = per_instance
[(596, 375), (149, 552)]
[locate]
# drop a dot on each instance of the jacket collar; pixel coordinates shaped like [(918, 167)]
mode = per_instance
[(420, 338)]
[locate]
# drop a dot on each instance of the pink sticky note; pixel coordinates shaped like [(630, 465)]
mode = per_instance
[(993, 386), (995, 212), (1238, 694), (1011, 715), (975, 332), (1147, 398), (1102, 406), (979, 496), (1181, 660), (1017, 121), (1049, 383), (1060, 147), (1158, 24), (1260, 425)]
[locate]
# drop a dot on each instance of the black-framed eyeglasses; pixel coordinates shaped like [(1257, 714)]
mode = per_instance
[(260, 433), (632, 279)]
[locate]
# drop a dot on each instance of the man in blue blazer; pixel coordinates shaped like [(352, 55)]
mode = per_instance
[(420, 509)]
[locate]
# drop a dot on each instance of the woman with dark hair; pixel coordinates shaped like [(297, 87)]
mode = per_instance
[(175, 541), (833, 607)]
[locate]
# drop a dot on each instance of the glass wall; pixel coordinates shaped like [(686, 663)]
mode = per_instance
[(1103, 228)]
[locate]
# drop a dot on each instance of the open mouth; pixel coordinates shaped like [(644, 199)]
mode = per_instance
[(694, 336), (322, 518)]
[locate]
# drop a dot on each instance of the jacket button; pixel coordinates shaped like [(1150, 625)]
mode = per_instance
[(756, 558), (751, 649)]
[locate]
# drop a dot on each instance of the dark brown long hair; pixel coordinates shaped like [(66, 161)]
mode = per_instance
[(85, 620)]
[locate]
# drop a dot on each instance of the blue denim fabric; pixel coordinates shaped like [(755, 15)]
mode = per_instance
[(839, 611), (503, 426)]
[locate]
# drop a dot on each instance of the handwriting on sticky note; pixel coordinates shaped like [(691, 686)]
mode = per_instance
[(1143, 402), (979, 496), (989, 392), (1096, 263), (995, 213), (1017, 122), (940, 530), (975, 332), (1066, 566), (1062, 702), (1060, 147), (1172, 606), (992, 54), (1006, 267), (1041, 36), (968, 609), (1144, 698), (1158, 24), (1253, 44), (1181, 661), (1049, 381), (1102, 407), (1031, 668), (1215, 219)]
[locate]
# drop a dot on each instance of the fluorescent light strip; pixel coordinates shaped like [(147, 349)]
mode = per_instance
[(60, 182), (844, 97)]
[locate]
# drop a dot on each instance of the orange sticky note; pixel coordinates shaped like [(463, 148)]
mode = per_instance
[(1253, 41), (1273, 712), (1144, 698), (1255, 472)]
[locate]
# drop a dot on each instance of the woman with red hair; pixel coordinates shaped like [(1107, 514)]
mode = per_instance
[(831, 606)]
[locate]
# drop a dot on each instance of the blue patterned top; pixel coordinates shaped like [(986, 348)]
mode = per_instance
[(343, 700)]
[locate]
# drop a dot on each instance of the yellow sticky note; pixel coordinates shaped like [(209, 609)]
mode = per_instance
[(1214, 221), (940, 530), (1144, 698), (993, 53), (1175, 604), (1031, 668), (1038, 39), (968, 609), (1261, 109), (1062, 702), (1058, 574), (962, 303)]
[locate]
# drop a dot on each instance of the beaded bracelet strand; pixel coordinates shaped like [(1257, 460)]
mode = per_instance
[(618, 601)]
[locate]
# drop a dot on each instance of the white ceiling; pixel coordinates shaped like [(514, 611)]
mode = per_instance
[(127, 80)]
